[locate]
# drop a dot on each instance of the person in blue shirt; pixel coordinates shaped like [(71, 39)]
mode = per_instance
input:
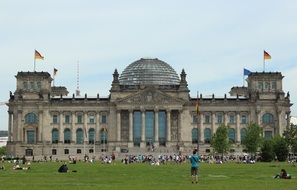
[(194, 159)]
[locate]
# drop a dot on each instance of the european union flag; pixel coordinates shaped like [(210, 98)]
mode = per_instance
[(246, 72)]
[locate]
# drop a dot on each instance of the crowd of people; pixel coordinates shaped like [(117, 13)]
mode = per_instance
[(153, 159)]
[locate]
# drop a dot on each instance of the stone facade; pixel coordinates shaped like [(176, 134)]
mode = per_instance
[(139, 115)]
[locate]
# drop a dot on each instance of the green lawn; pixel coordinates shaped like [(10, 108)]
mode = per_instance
[(143, 176)]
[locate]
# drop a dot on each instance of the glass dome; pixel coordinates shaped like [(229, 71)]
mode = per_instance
[(149, 72)]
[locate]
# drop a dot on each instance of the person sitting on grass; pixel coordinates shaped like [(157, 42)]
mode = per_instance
[(2, 168), (283, 175), (64, 169), (18, 167)]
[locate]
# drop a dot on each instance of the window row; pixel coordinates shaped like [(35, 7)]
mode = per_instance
[(219, 118), (266, 85), (79, 118), (32, 85), (80, 136), (29, 151), (208, 135)]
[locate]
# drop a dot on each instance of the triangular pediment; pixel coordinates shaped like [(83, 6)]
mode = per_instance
[(150, 96)]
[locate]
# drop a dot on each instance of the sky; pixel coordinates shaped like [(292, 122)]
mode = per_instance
[(212, 40)]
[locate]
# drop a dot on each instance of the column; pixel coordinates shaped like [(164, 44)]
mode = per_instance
[(142, 125), (97, 130), (73, 134), (156, 126), (9, 125), (168, 126), (288, 119), (19, 129), (40, 127), (279, 129), (130, 125), (213, 120), (225, 118), (238, 127), (86, 126), (118, 125), (61, 131), (201, 128), (258, 117), (179, 139)]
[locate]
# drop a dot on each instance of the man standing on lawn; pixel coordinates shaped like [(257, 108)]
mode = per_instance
[(194, 159)]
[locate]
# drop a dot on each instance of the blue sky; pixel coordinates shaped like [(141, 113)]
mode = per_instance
[(212, 40)]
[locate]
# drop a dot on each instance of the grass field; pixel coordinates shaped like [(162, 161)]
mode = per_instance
[(143, 176)]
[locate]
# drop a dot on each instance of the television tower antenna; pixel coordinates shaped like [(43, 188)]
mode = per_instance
[(77, 92)]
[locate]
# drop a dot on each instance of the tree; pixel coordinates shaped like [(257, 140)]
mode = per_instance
[(290, 135), (280, 148), (2, 150), (267, 153), (220, 141), (253, 138)]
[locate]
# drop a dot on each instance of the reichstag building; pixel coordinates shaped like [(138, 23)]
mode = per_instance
[(149, 108)]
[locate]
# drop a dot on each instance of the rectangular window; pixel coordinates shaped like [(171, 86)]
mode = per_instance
[(30, 136), (268, 135), (273, 85), (55, 119), (267, 86), (219, 118), (67, 119), (103, 119), (231, 119), (79, 119), (38, 85), (137, 128), (32, 86), (207, 119), (91, 119), (54, 151), (260, 86), (244, 119), (66, 151)]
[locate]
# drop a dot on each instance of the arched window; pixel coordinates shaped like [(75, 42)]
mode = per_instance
[(242, 134), (267, 118), (91, 136), (231, 135), (103, 137), (31, 118), (207, 135), (79, 136), (67, 136), (195, 136), (55, 136)]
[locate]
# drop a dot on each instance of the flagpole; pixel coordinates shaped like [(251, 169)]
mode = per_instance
[(54, 78), (197, 110), (264, 61), (34, 60), (243, 78)]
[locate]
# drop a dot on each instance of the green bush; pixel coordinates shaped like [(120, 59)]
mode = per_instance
[(267, 152), (280, 148)]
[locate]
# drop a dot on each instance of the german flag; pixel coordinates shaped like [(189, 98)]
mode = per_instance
[(38, 55), (266, 55)]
